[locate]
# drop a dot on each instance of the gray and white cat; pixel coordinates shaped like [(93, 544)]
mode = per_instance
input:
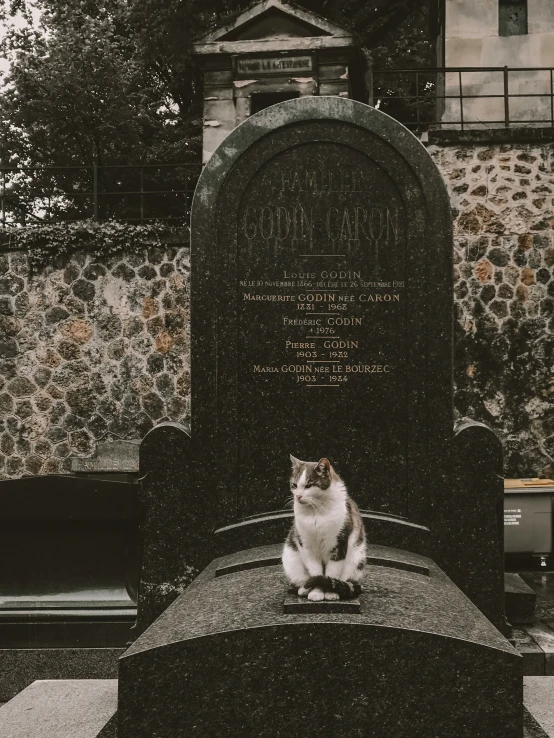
[(325, 551)]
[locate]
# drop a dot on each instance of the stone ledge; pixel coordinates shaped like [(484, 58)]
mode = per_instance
[(294, 605), (491, 136)]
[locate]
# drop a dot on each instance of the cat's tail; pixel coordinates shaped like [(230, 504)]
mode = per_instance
[(345, 590)]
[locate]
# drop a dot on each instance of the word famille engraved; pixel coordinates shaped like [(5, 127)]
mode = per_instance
[(319, 180)]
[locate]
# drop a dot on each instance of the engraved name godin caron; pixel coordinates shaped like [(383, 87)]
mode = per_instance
[(357, 220)]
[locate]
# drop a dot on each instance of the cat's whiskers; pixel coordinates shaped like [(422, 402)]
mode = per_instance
[(314, 503)]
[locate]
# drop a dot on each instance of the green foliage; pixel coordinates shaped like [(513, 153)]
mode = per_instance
[(59, 240), (114, 80), (77, 91)]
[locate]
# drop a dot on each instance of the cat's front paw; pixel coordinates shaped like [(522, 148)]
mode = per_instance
[(316, 595), (303, 592), (331, 596)]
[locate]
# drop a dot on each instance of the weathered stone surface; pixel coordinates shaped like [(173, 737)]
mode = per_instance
[(83, 290), (153, 405), (56, 314), (21, 387), (11, 285), (147, 272), (14, 465), (6, 403), (81, 442), (93, 271), (8, 348), (164, 342), (155, 363), (6, 306), (109, 326), (7, 444), (504, 382), (77, 330), (70, 338), (71, 273), (9, 326), (82, 401), (124, 272)]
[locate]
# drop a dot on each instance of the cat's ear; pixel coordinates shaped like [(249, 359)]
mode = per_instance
[(323, 467), (295, 461)]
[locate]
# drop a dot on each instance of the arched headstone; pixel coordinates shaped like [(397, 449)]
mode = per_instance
[(322, 309)]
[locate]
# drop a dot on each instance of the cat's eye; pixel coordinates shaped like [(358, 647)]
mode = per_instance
[(294, 485)]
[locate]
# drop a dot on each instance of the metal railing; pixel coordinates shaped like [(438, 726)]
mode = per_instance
[(134, 193), (466, 98), (462, 98)]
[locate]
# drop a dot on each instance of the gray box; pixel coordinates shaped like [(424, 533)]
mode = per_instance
[(528, 516)]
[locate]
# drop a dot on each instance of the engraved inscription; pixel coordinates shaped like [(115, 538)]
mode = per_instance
[(324, 361), (274, 65), (322, 272)]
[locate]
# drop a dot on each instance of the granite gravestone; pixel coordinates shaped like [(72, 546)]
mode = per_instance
[(321, 326)]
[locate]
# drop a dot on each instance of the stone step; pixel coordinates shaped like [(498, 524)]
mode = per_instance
[(62, 708), (536, 644), (520, 599), (538, 699)]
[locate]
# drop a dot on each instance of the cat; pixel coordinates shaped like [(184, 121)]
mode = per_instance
[(325, 550)]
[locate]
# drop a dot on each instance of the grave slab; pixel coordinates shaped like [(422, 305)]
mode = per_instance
[(64, 708), (415, 630)]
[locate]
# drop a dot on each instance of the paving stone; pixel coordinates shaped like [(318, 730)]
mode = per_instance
[(538, 698), (62, 708)]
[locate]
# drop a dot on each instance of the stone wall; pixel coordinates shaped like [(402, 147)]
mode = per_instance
[(502, 198), (98, 349), (89, 350)]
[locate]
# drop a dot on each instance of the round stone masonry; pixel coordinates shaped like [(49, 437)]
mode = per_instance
[(79, 354)]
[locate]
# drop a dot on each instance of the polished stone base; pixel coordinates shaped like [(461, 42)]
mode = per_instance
[(538, 713), (226, 659)]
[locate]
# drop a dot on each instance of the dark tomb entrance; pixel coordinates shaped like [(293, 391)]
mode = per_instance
[(263, 100), (321, 325)]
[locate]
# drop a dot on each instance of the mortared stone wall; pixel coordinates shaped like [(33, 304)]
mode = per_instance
[(94, 349)]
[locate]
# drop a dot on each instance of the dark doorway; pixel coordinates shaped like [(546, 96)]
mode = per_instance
[(262, 100)]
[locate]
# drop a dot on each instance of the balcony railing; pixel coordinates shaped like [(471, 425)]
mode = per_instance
[(451, 98), (466, 98)]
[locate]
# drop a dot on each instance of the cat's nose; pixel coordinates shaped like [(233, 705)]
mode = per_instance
[(298, 497)]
